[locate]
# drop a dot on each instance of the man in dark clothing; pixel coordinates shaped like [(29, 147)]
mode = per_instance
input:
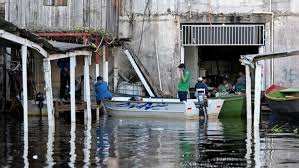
[(64, 65), (201, 85)]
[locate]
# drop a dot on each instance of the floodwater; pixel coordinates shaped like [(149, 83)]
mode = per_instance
[(122, 142)]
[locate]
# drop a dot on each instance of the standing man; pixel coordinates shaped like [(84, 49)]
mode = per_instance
[(184, 82)]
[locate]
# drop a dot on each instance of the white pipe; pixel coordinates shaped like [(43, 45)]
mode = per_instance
[(25, 91), (72, 87)]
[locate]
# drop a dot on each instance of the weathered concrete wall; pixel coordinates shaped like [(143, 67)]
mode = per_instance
[(171, 13), (33, 14), (2, 9)]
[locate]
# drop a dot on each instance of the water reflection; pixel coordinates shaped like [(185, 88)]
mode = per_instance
[(72, 145), (25, 152), (87, 142), (51, 132), (123, 142)]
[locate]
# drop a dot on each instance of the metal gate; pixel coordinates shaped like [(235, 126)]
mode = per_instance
[(223, 35)]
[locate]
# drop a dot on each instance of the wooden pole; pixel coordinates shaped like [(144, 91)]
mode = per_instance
[(48, 89), (182, 54), (248, 93), (87, 85), (105, 65), (72, 86), (257, 96), (25, 92)]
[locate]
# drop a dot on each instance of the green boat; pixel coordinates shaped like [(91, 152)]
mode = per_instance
[(233, 106)]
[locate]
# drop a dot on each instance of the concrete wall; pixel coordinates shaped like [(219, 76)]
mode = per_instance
[(161, 15), (33, 14)]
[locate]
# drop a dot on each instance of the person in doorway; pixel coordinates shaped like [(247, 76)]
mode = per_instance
[(225, 87), (64, 65), (202, 85), (79, 82), (241, 83), (184, 82), (102, 90)]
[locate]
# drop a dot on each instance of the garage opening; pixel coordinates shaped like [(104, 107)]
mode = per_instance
[(213, 51)]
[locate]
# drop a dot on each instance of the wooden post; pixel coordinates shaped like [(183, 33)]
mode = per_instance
[(87, 85), (72, 86), (48, 89), (182, 54), (138, 72), (115, 72), (25, 92), (105, 65), (257, 96), (248, 93)]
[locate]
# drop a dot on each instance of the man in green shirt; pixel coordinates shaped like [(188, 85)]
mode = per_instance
[(184, 82)]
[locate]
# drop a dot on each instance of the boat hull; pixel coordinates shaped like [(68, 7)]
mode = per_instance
[(157, 108), (233, 106), (288, 106), (282, 101)]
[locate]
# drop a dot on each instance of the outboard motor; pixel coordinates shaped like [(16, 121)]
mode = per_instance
[(40, 99), (202, 101)]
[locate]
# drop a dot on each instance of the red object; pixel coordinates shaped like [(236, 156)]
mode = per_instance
[(189, 108), (274, 88)]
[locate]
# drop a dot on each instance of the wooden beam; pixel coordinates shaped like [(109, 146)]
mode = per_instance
[(48, 89), (248, 93), (80, 53), (105, 65), (257, 96), (182, 54), (72, 86), (22, 41), (87, 86), (58, 56), (25, 91), (137, 70)]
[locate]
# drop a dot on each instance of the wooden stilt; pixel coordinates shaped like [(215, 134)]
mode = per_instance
[(72, 86), (182, 54), (87, 85), (48, 89), (257, 96), (105, 65), (248, 93), (25, 91)]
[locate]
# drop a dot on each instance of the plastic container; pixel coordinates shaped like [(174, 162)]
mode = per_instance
[(135, 89)]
